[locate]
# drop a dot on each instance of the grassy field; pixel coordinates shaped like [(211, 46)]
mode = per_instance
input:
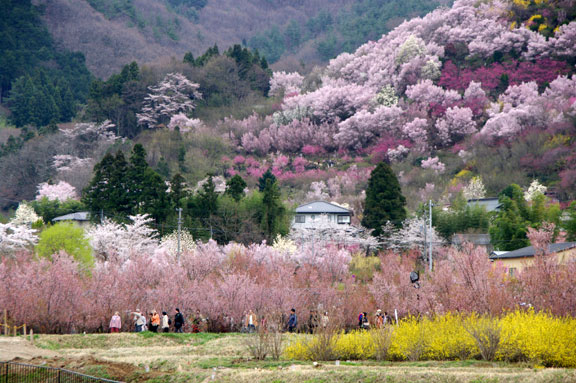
[(160, 358)]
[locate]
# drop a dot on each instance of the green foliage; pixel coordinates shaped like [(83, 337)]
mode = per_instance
[(67, 237), (242, 218), (365, 20), (114, 8), (384, 200), (570, 223), (50, 209), (120, 188), (46, 82), (273, 210), (118, 99), (509, 228), (14, 144), (236, 78), (363, 267), (235, 187), (461, 219), (178, 190), (40, 100), (264, 179)]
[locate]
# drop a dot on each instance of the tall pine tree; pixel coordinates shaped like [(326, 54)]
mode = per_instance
[(384, 200)]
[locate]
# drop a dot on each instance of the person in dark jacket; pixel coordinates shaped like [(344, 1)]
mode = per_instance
[(292, 321), (313, 321), (178, 321)]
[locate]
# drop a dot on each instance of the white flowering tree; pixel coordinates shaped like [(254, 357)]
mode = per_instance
[(325, 232), (25, 215), (112, 241), (387, 96), (534, 189), (169, 243), (475, 189), (414, 233), (173, 95), (16, 237)]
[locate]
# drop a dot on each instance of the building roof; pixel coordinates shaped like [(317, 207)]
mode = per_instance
[(322, 207), (476, 239), (78, 216), (491, 204), (527, 252)]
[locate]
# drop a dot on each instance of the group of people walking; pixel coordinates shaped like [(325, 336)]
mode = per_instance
[(154, 322), (316, 321), (252, 323), (380, 320)]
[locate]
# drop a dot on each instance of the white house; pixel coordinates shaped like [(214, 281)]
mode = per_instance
[(317, 213)]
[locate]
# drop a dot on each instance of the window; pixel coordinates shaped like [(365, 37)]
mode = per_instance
[(300, 218), (343, 219), (312, 218), (512, 271)]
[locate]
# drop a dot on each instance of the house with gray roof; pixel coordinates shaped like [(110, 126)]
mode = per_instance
[(317, 213), (516, 260), (490, 204), (82, 218)]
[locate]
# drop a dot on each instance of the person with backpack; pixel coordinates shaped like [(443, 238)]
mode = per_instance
[(178, 321), (166, 322)]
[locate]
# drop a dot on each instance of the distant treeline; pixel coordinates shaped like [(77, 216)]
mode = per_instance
[(365, 20)]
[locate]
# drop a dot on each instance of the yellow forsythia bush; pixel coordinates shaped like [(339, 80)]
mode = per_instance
[(355, 345), (524, 336), (539, 337)]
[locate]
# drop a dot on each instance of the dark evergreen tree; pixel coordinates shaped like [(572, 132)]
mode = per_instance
[(208, 198), (153, 198), (235, 187), (97, 196), (264, 179), (273, 210), (188, 58), (136, 173), (121, 202), (163, 168), (178, 190), (384, 200)]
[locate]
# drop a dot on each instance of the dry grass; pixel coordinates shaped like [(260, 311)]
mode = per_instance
[(199, 357)]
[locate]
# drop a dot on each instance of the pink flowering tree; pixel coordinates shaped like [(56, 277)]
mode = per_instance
[(286, 84), (62, 191), (434, 163)]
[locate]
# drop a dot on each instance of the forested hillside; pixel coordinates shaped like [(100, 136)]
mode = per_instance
[(44, 82), (463, 103), (112, 33)]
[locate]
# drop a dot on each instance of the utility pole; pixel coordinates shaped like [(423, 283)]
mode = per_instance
[(101, 216), (179, 210), (430, 236)]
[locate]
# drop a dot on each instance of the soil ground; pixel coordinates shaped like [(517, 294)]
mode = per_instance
[(158, 358)]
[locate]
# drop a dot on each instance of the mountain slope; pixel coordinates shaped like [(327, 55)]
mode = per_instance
[(150, 30)]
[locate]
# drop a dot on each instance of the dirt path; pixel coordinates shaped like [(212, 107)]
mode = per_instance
[(14, 347)]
